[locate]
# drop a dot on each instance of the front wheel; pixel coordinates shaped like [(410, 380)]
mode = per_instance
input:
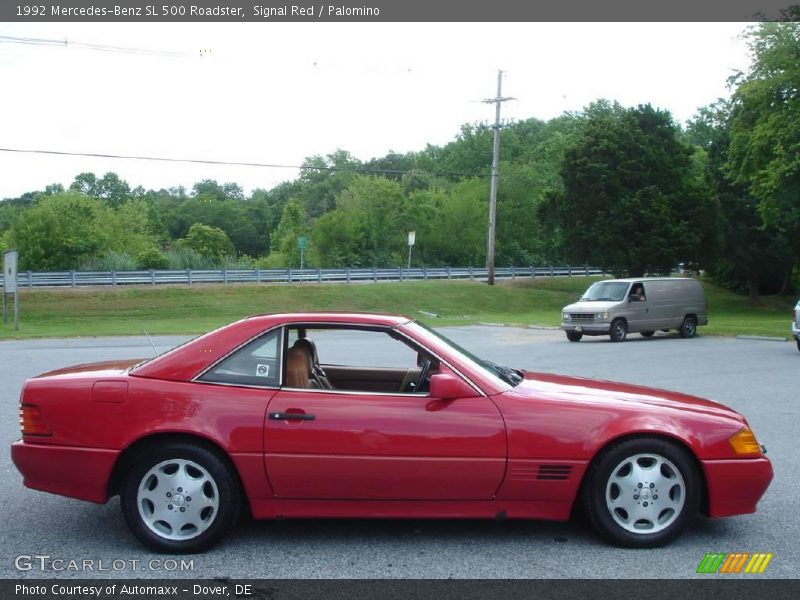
[(180, 497), (642, 493), (688, 327), (574, 336), (618, 331)]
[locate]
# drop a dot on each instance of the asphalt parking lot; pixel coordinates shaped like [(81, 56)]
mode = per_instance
[(758, 378)]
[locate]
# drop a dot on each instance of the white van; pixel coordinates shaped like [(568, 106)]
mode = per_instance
[(616, 307)]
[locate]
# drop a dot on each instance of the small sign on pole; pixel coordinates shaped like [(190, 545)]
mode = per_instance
[(10, 259), (302, 242), (412, 238)]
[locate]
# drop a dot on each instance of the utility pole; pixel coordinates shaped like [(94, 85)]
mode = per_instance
[(497, 101)]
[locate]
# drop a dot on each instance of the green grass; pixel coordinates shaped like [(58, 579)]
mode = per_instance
[(196, 309)]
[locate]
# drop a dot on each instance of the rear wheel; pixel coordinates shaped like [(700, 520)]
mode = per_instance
[(618, 331), (798, 345), (642, 493), (647, 333), (688, 327), (180, 497), (574, 336)]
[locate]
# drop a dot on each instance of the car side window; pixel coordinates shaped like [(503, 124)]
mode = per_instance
[(256, 364)]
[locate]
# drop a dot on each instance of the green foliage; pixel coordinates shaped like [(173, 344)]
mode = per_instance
[(110, 188), (630, 200), (764, 152), (110, 261), (152, 258), (181, 258), (284, 240), (208, 242), (64, 231), (753, 255)]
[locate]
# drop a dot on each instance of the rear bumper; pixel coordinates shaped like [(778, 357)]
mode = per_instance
[(81, 473), (736, 486), (587, 328)]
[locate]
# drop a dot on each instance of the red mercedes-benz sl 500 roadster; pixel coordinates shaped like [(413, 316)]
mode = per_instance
[(375, 416)]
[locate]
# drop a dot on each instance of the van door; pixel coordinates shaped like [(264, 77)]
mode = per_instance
[(638, 308)]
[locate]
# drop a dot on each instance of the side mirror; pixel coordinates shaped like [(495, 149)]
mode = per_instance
[(447, 386)]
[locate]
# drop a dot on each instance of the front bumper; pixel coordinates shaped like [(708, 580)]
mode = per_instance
[(81, 473), (587, 328), (735, 486)]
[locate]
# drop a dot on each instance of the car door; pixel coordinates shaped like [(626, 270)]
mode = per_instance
[(341, 444)]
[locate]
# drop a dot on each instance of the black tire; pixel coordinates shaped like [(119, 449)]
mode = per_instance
[(647, 333), (219, 485), (684, 483), (798, 345), (688, 327), (618, 331), (574, 336)]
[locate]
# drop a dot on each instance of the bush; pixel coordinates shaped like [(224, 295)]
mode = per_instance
[(181, 258), (110, 261), (152, 258)]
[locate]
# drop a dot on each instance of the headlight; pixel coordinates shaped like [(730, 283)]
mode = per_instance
[(744, 442), (603, 316), (565, 316)]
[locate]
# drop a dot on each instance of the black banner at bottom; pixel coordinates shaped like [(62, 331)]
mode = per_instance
[(401, 589)]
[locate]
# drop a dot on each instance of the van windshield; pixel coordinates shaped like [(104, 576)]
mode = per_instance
[(611, 291)]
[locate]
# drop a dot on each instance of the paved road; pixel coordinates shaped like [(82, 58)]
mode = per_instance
[(757, 378)]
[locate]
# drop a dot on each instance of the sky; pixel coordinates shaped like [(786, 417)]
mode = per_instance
[(279, 92)]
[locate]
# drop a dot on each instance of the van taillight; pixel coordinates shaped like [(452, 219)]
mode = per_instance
[(31, 421)]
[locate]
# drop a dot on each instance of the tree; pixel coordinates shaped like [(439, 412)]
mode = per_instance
[(631, 200), (764, 153), (752, 254), (110, 187), (292, 226), (210, 242), (60, 232)]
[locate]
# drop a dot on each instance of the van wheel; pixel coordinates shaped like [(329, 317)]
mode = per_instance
[(574, 336), (688, 327), (798, 345), (647, 333), (619, 330)]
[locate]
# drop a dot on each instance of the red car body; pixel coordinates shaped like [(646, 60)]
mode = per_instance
[(498, 451)]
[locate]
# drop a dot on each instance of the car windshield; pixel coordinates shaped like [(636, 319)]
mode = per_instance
[(611, 291), (506, 374)]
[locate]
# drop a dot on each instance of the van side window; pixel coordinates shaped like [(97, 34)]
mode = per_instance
[(637, 293)]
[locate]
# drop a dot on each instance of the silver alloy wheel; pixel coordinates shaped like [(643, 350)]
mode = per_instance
[(645, 493), (178, 499)]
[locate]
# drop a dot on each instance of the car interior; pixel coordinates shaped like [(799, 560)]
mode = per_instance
[(304, 368)]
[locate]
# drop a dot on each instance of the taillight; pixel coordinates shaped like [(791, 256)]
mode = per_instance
[(31, 421)]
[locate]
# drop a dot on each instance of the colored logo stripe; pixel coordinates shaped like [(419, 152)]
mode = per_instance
[(734, 562)]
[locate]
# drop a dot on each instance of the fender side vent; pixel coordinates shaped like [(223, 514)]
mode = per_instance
[(554, 472)]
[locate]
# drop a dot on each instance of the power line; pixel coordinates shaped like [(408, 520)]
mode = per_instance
[(65, 43), (240, 164)]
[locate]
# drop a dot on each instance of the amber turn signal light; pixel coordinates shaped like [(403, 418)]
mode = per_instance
[(745, 442), (31, 421)]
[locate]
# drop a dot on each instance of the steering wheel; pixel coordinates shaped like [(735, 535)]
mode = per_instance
[(426, 367)]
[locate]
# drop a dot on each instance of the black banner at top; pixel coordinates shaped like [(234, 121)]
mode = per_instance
[(153, 11)]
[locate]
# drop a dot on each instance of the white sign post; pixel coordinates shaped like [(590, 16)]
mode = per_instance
[(412, 237), (10, 285)]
